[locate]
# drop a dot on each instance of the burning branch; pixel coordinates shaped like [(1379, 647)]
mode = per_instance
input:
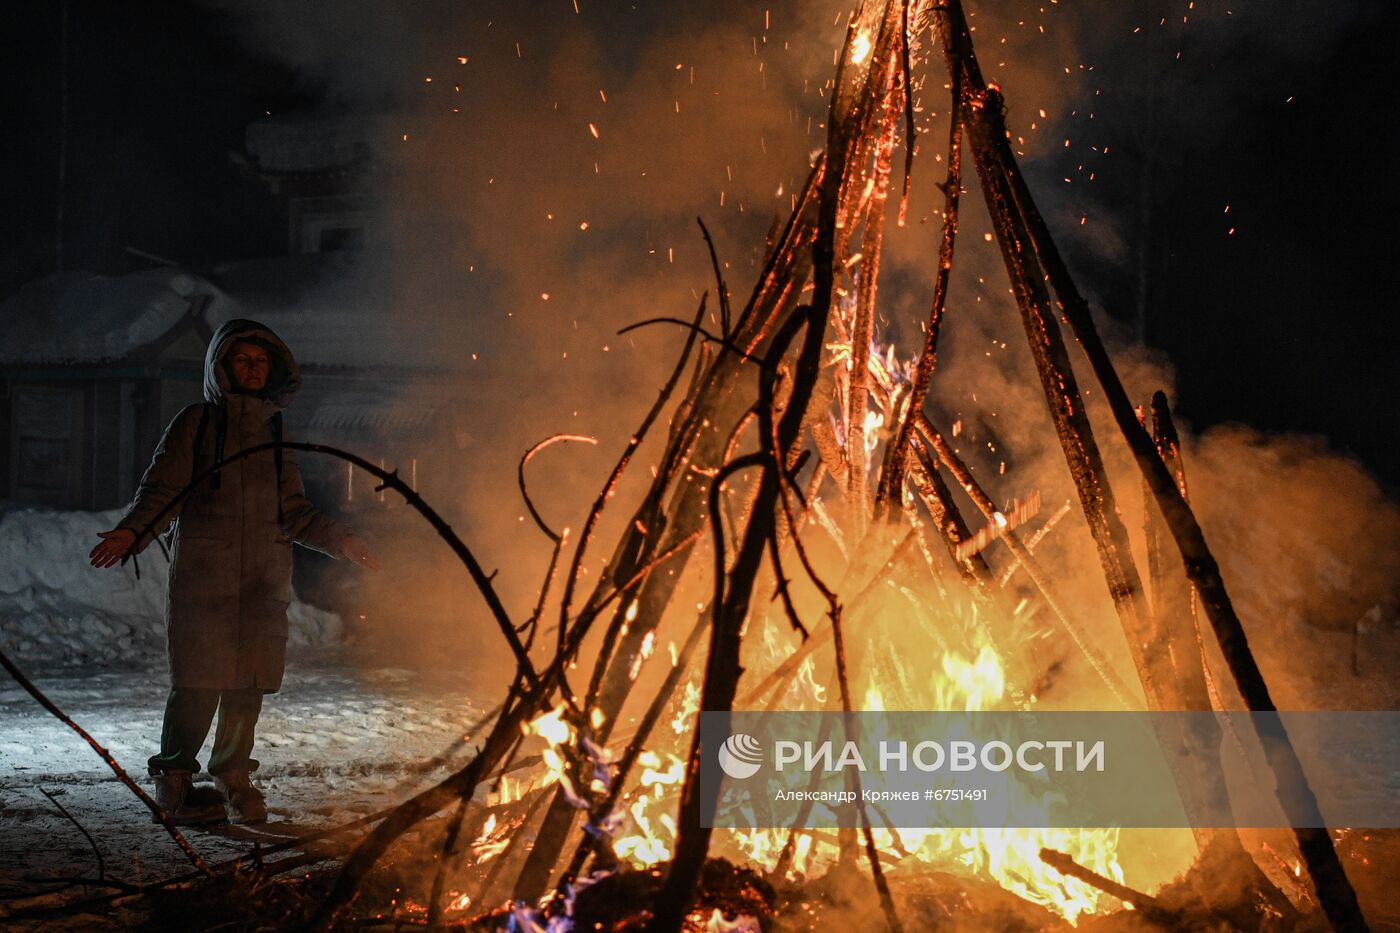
[(897, 454), (525, 490), (733, 587), (1147, 906)]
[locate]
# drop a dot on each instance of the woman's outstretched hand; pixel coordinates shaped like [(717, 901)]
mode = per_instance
[(115, 545), (355, 548)]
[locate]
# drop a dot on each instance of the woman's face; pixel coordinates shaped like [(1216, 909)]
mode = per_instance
[(250, 367)]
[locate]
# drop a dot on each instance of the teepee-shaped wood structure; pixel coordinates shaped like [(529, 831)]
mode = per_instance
[(754, 415)]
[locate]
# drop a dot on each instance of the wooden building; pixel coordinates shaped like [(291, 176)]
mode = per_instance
[(93, 368)]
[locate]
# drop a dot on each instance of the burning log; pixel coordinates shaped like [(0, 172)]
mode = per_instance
[(1149, 907), (1023, 232), (733, 586), (1062, 395), (1174, 595), (857, 402)]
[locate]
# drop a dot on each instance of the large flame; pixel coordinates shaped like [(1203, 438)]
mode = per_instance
[(1010, 857)]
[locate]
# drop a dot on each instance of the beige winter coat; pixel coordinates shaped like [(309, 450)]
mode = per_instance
[(231, 565)]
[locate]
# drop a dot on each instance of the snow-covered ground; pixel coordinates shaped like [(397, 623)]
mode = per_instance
[(333, 745)]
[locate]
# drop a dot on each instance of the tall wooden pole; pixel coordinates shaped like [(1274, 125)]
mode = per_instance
[(1334, 891)]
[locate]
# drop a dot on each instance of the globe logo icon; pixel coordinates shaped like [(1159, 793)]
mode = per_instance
[(740, 756)]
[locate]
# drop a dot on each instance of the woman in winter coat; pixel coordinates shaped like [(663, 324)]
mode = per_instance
[(230, 567)]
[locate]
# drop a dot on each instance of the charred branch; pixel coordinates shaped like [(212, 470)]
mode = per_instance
[(897, 454)]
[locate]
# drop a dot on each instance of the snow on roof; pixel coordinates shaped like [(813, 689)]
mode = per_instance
[(326, 313), (79, 317)]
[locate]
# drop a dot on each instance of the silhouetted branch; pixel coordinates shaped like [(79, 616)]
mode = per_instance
[(711, 338), (97, 852), (719, 281), (106, 756)]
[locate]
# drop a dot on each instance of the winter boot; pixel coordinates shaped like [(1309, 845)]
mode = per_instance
[(183, 803), (245, 801)]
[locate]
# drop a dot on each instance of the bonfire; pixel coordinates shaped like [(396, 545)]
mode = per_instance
[(812, 540)]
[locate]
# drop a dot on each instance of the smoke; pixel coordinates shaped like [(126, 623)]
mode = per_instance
[(538, 169)]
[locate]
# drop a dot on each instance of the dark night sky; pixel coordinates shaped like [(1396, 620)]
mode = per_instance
[(1289, 325)]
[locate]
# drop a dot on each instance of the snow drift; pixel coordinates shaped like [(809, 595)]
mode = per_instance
[(55, 609)]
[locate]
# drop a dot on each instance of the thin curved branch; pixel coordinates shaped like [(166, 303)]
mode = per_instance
[(571, 581), (724, 324), (388, 480), (711, 338), (520, 475), (96, 851)]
